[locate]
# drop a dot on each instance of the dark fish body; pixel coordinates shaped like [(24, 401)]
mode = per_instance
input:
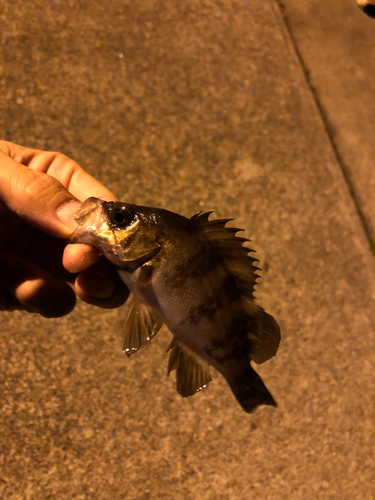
[(195, 276)]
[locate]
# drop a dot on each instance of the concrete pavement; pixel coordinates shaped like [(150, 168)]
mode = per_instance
[(336, 46), (189, 106)]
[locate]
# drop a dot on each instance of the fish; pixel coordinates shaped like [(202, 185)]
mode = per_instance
[(195, 276)]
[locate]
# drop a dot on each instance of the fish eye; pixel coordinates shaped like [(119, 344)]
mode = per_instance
[(120, 217)]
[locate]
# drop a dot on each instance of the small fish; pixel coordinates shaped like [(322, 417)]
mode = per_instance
[(195, 276)]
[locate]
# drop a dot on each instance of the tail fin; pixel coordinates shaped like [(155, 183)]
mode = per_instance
[(250, 391)]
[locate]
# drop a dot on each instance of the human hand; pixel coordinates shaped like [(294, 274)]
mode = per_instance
[(39, 195)]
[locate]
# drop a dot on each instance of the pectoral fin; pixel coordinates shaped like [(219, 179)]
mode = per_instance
[(142, 324), (192, 374)]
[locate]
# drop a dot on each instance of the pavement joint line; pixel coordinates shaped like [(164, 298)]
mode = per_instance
[(327, 127)]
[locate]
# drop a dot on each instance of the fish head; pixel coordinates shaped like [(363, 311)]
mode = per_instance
[(125, 234)]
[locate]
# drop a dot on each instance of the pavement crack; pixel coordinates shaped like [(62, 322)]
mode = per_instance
[(327, 126)]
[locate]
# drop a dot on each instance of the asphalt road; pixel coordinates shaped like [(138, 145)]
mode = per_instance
[(200, 105)]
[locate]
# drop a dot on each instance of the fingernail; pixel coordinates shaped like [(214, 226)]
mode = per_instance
[(66, 213)]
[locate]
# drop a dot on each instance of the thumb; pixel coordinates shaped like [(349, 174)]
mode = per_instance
[(37, 198)]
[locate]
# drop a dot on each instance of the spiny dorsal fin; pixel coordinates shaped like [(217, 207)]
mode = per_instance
[(201, 215), (142, 324), (234, 254), (264, 333), (192, 374)]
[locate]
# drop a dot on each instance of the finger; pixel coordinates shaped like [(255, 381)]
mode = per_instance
[(74, 178), (45, 252), (101, 286), (10, 303), (35, 289), (37, 198), (78, 257), (68, 172)]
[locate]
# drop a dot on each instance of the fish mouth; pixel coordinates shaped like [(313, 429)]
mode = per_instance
[(88, 219), (87, 208)]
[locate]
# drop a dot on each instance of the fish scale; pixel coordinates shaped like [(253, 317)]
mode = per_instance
[(195, 276)]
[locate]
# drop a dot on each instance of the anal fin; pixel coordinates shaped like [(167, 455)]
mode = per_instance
[(192, 374), (142, 324)]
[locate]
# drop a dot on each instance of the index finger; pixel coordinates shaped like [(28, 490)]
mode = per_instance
[(81, 184)]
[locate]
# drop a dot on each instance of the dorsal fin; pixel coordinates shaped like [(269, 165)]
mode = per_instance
[(201, 215), (234, 254), (142, 324), (192, 373)]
